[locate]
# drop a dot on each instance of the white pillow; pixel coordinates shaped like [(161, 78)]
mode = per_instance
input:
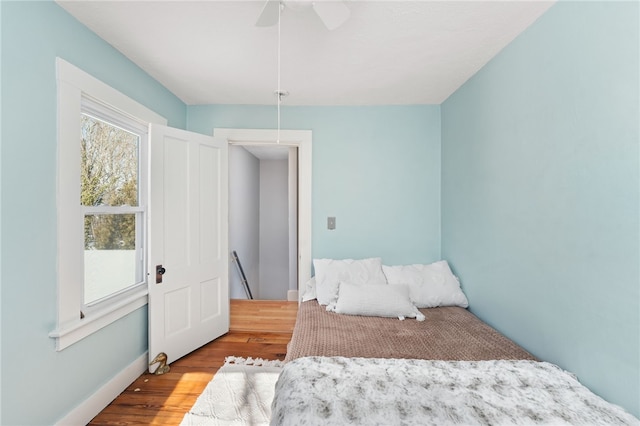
[(430, 285), (309, 290), (329, 273), (376, 300)]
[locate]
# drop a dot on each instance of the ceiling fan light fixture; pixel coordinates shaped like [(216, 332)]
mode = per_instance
[(332, 14), (270, 14), (296, 5)]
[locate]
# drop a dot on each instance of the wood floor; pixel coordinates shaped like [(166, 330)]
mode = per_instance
[(258, 328)]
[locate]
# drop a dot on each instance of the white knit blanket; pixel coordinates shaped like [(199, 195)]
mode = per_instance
[(365, 391), (239, 394)]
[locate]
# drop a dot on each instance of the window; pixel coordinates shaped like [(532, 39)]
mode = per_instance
[(112, 197), (101, 202)]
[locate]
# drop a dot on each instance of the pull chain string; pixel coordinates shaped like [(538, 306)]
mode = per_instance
[(279, 94)]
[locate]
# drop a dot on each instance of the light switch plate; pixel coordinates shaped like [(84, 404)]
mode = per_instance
[(331, 223)]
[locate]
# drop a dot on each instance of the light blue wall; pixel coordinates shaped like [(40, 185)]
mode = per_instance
[(540, 193), (40, 385), (376, 169)]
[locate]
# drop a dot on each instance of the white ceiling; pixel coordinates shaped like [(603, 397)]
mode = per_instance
[(387, 52)]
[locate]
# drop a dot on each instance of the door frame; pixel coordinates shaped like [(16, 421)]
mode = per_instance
[(292, 138)]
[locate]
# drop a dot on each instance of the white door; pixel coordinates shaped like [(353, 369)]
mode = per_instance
[(189, 239)]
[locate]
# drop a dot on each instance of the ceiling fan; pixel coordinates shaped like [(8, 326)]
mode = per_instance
[(331, 13)]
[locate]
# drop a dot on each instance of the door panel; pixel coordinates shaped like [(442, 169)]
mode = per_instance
[(210, 291), (188, 236)]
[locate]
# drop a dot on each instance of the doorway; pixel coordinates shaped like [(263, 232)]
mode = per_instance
[(269, 211), (263, 222)]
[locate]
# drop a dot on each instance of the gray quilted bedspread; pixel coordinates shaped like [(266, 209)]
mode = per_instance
[(373, 391)]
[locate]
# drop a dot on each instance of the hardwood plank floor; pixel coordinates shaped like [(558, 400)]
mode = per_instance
[(258, 328)]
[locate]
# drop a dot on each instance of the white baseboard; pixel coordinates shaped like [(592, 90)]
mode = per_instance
[(292, 295), (89, 408)]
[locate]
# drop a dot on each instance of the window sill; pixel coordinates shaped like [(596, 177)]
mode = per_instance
[(68, 334)]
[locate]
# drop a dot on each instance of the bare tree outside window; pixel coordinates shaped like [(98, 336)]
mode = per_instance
[(109, 176)]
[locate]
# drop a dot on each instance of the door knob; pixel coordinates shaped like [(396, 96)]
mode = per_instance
[(159, 273)]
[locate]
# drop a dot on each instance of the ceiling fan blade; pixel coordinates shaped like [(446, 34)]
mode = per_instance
[(332, 13), (270, 14)]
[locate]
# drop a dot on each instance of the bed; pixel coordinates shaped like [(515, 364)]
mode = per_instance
[(447, 333), (445, 366)]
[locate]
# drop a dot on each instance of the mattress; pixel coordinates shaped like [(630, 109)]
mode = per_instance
[(448, 333)]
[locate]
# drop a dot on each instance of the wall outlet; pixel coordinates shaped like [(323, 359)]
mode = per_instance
[(331, 223)]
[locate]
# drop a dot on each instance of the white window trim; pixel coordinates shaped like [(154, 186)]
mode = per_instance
[(72, 85)]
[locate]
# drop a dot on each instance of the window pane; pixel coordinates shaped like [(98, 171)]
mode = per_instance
[(109, 255), (109, 169), (110, 231)]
